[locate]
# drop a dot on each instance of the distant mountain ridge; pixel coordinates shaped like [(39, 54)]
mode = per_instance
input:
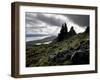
[(47, 39), (35, 35)]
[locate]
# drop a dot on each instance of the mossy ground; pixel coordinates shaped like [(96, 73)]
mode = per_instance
[(38, 55)]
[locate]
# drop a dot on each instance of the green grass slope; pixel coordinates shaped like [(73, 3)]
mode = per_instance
[(55, 53)]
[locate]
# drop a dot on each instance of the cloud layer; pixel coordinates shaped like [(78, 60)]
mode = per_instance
[(50, 24)]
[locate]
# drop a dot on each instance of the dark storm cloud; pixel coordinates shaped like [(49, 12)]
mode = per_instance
[(81, 20), (38, 18), (31, 19), (49, 20)]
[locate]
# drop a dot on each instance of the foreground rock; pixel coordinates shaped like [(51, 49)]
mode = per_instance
[(80, 55)]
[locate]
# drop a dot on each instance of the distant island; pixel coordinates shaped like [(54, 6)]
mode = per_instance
[(68, 48)]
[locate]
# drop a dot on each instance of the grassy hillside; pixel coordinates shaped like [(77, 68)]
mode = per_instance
[(59, 52)]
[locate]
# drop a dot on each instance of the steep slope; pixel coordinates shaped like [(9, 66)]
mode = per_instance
[(64, 50)]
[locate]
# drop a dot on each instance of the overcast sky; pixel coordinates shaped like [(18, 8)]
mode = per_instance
[(50, 24)]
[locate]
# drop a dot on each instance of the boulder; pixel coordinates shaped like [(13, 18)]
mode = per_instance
[(80, 57)]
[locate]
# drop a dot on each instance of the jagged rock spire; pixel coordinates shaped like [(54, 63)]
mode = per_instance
[(64, 28), (72, 31), (64, 32)]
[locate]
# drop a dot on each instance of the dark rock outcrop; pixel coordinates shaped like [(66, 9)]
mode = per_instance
[(72, 32), (64, 34), (79, 55), (87, 29)]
